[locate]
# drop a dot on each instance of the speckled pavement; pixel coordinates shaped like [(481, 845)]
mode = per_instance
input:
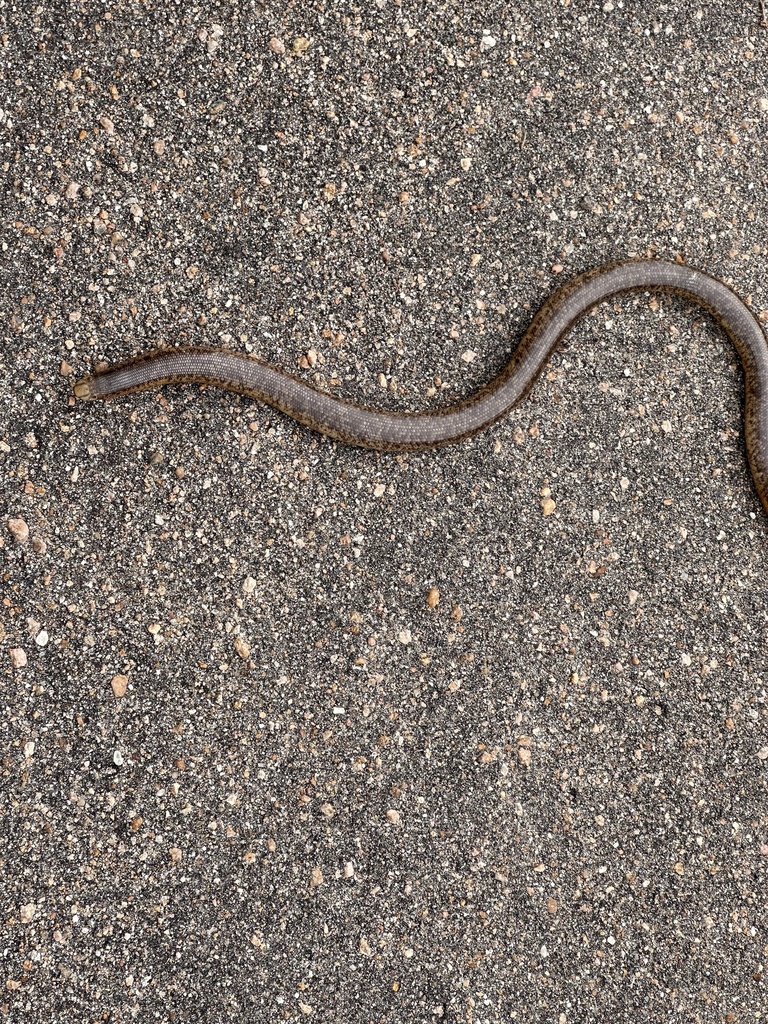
[(296, 731)]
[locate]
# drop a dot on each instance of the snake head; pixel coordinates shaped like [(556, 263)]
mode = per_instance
[(82, 389)]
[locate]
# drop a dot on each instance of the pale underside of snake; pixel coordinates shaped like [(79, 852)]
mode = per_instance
[(389, 431)]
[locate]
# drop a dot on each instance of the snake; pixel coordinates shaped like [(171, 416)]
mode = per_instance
[(395, 431)]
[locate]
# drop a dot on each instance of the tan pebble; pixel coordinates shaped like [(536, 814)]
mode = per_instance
[(633, 596), (466, 163), (468, 356), (276, 45), (242, 648), (329, 190), (679, 869), (29, 748), (378, 490), (433, 597), (107, 124), (159, 146), (300, 44), (311, 356), (65, 369), (249, 585), (328, 810), (405, 197), (249, 857), (557, 268), (393, 816), (18, 657), (547, 506), (457, 613), (524, 756), (364, 947), (305, 1008), (192, 272), (552, 905), (271, 845), (474, 259), (27, 912), (762, 752), (51, 199), (19, 530), (404, 636), (119, 685), (315, 878), (176, 855)]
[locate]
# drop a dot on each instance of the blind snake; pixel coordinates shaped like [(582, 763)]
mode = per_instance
[(389, 431)]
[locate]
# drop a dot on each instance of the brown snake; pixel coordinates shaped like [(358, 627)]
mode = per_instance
[(408, 431)]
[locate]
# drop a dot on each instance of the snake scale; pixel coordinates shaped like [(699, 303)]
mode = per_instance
[(389, 431)]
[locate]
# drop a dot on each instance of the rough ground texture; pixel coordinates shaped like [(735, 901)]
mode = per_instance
[(291, 729)]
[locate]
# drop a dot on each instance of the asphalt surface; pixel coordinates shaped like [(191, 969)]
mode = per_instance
[(291, 730)]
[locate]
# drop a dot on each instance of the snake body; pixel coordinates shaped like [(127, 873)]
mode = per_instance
[(389, 431)]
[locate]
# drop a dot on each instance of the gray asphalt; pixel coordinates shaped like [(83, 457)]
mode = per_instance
[(292, 730)]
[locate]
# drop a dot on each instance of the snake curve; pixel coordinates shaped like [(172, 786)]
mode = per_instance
[(389, 431)]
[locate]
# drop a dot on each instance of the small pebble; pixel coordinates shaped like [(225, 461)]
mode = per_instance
[(18, 657), (27, 913), (315, 878), (19, 530), (119, 685), (242, 648)]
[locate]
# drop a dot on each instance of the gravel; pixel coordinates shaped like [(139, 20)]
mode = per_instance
[(295, 730)]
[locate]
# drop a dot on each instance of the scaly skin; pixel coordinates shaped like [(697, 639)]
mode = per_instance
[(386, 431)]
